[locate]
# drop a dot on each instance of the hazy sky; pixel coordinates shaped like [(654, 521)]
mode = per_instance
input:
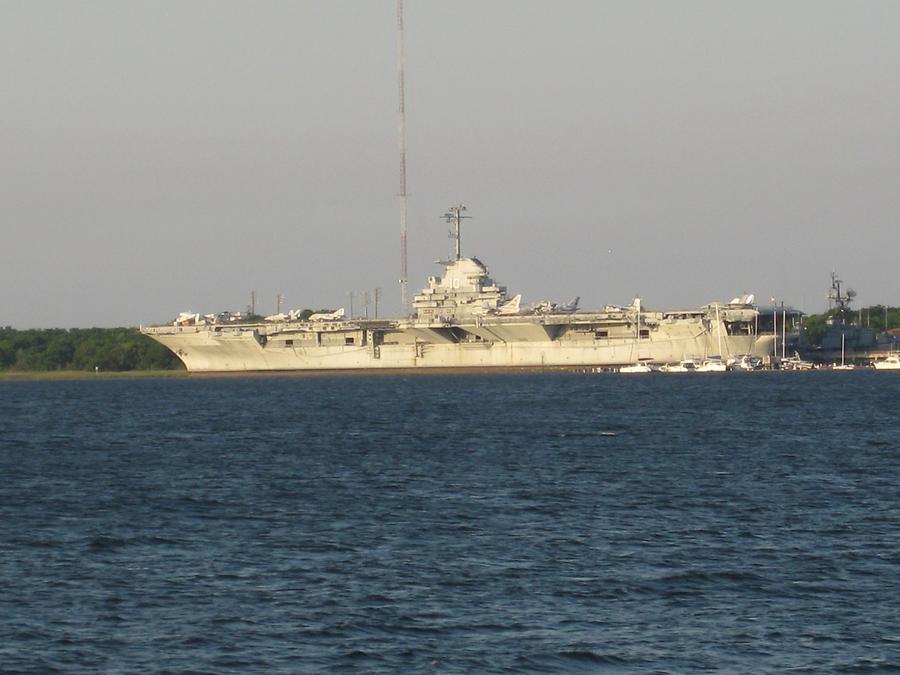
[(166, 156)]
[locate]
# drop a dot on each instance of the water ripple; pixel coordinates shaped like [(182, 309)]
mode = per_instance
[(494, 524)]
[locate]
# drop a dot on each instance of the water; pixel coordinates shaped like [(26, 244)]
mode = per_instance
[(549, 523)]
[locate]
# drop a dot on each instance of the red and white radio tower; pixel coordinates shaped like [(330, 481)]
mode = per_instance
[(401, 58)]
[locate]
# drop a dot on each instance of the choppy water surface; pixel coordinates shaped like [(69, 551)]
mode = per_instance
[(551, 523)]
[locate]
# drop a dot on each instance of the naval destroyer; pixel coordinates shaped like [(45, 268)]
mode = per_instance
[(465, 319)]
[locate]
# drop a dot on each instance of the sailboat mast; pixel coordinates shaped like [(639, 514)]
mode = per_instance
[(775, 327), (783, 330), (718, 330)]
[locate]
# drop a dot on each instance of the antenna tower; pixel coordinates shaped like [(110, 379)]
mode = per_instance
[(455, 216), (401, 59)]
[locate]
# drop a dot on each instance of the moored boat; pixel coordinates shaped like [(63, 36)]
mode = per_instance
[(712, 364), (636, 368), (890, 362)]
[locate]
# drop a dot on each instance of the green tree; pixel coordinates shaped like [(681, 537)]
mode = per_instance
[(83, 349)]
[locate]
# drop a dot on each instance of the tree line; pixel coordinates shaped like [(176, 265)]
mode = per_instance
[(106, 349)]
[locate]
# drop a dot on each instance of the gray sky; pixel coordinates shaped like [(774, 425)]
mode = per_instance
[(166, 156)]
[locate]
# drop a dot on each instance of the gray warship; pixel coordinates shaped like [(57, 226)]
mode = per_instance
[(465, 319)]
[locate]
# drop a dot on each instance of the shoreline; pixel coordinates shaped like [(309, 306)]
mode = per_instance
[(65, 375), (72, 375)]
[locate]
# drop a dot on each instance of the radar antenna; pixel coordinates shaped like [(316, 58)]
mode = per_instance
[(838, 299), (455, 216)]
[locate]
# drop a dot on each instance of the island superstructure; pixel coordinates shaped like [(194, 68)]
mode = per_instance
[(465, 319)]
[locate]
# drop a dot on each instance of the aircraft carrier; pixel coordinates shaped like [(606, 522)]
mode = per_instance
[(464, 319)]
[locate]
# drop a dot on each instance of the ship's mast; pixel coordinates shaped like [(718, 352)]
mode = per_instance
[(838, 299), (401, 60), (834, 293), (454, 217)]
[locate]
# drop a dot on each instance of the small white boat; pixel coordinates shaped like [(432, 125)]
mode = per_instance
[(636, 368), (795, 363), (714, 364), (744, 362), (843, 366), (892, 362), (685, 366)]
